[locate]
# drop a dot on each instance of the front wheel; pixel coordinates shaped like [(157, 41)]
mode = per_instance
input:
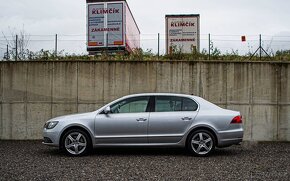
[(201, 143), (76, 142)]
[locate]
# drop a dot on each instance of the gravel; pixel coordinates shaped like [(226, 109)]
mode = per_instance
[(30, 160)]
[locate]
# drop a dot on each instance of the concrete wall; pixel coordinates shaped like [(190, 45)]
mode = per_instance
[(33, 92)]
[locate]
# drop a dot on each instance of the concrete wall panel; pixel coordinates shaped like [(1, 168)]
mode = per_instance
[(37, 115), (214, 82), (65, 82), (1, 122), (60, 109), (285, 84), (164, 77), (264, 123), (239, 81), (14, 121), (82, 108), (99, 83), (264, 83), (39, 82), (284, 123), (86, 83), (142, 78), (116, 80), (14, 82)]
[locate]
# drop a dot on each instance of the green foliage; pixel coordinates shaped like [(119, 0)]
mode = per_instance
[(283, 55), (148, 55)]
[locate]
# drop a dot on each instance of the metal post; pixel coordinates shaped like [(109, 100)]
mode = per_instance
[(209, 46), (107, 39), (260, 40), (7, 53), (55, 48), (16, 48), (158, 45)]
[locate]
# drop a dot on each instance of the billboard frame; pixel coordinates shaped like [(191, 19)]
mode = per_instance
[(182, 16)]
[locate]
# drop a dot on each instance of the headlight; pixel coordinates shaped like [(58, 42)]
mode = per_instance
[(50, 125)]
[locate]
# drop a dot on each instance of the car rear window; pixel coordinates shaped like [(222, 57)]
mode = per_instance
[(174, 103)]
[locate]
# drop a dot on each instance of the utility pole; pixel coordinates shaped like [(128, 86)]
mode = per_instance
[(260, 45), (16, 48), (158, 45), (209, 46), (55, 49), (7, 53)]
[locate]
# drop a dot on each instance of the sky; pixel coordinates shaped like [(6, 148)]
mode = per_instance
[(225, 20)]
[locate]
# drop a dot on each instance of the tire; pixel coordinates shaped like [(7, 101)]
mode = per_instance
[(76, 142), (201, 143)]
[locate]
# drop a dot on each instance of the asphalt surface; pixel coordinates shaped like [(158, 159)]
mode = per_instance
[(30, 160)]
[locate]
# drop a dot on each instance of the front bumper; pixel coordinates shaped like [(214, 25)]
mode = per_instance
[(50, 137)]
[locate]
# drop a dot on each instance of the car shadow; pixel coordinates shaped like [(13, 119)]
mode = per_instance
[(158, 152), (146, 151)]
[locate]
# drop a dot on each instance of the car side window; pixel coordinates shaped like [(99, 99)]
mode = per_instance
[(168, 104), (131, 105), (174, 103), (189, 105)]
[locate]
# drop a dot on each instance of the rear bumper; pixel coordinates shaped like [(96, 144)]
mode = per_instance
[(231, 137)]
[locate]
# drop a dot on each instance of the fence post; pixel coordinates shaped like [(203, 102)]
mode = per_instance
[(55, 48), (16, 48), (260, 46), (158, 45), (7, 53), (209, 46)]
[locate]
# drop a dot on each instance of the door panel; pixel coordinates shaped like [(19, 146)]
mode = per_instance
[(127, 123), (171, 118), (168, 127), (121, 128)]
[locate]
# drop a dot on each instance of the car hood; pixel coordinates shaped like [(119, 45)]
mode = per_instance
[(74, 117)]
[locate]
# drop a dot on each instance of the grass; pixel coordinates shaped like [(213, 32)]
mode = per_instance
[(141, 55)]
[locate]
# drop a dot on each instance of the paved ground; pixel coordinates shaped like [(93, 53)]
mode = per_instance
[(30, 160)]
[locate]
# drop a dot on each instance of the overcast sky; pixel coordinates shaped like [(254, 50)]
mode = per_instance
[(221, 17)]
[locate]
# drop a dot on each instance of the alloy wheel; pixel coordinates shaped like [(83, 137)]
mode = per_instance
[(75, 143), (201, 143)]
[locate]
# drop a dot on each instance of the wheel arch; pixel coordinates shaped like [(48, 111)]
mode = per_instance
[(211, 130), (65, 130)]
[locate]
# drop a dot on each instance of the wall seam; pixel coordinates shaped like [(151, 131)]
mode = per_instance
[(51, 89), (1, 101), (77, 101), (25, 99)]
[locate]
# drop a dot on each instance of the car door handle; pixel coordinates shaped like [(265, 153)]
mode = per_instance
[(141, 120), (186, 119)]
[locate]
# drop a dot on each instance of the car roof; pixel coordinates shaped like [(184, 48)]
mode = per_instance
[(161, 94), (204, 104)]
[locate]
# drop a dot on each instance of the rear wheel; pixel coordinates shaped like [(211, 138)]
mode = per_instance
[(76, 142), (201, 143)]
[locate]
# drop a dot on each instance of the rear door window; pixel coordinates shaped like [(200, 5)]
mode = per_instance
[(174, 104)]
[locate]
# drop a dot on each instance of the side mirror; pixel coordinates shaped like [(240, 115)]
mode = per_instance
[(107, 110)]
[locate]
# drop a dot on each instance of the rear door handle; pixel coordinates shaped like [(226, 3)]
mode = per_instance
[(186, 119), (141, 120)]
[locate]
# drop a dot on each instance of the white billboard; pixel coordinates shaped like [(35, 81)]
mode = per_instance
[(105, 24), (182, 33)]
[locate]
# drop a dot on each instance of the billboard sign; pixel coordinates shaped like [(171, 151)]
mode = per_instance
[(105, 24), (182, 33)]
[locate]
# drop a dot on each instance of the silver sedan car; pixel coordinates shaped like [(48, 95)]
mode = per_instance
[(151, 119)]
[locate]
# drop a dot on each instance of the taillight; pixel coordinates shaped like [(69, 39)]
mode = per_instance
[(237, 120)]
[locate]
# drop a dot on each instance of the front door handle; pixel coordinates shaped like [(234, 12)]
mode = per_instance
[(186, 119), (141, 120)]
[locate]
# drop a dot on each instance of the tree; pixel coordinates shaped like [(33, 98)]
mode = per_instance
[(18, 43)]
